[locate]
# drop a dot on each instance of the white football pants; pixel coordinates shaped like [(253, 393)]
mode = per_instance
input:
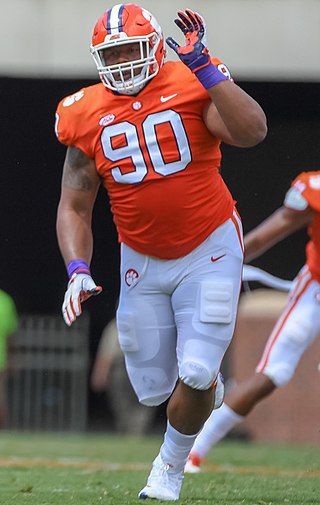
[(176, 317)]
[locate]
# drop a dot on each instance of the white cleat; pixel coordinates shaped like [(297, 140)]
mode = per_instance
[(219, 393), (163, 482)]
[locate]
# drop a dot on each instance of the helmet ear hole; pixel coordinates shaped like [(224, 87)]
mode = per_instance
[(121, 25)]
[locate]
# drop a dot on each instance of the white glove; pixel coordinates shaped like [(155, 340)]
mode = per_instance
[(80, 287)]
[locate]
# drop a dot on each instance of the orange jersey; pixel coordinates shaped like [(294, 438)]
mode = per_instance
[(308, 184), (158, 161)]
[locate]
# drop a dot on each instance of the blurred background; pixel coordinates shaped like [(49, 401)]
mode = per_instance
[(272, 49)]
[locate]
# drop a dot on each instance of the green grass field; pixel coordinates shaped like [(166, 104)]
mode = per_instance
[(51, 469)]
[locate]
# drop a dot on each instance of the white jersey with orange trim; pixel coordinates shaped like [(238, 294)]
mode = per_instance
[(158, 161)]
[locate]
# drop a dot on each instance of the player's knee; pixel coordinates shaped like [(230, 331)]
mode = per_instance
[(151, 385), (280, 374), (196, 375)]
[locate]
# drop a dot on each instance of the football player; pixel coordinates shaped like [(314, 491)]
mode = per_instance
[(150, 132), (298, 325)]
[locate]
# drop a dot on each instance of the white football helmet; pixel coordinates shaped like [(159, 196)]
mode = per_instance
[(127, 24)]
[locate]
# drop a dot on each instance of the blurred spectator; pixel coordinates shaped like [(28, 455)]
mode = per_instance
[(109, 374), (8, 324)]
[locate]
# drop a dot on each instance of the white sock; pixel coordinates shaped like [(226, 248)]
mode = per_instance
[(219, 423), (176, 447)]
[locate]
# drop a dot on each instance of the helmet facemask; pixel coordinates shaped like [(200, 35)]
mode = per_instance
[(130, 77)]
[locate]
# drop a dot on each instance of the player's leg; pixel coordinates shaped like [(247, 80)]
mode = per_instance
[(147, 335), (297, 327), (204, 302), (205, 306)]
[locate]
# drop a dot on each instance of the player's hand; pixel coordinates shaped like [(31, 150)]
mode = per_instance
[(195, 53), (80, 287)]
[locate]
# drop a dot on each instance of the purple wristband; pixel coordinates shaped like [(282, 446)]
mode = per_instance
[(77, 266), (210, 76)]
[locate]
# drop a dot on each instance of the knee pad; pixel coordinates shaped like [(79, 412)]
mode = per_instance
[(151, 385), (196, 375)]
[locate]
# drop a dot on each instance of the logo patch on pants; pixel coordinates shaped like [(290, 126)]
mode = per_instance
[(131, 277)]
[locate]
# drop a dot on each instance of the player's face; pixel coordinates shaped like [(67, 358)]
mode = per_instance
[(121, 53)]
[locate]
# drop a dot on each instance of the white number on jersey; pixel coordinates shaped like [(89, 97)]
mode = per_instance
[(133, 149)]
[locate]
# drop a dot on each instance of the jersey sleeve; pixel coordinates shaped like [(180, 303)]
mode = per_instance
[(304, 192), (71, 127)]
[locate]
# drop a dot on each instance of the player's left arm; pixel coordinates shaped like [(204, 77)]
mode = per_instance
[(80, 183), (233, 116)]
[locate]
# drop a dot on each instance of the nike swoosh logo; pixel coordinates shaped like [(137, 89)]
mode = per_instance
[(164, 99), (217, 258)]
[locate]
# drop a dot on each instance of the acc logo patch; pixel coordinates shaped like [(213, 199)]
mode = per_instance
[(131, 277), (105, 120)]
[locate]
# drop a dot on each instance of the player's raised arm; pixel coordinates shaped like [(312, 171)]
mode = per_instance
[(80, 183), (282, 223), (234, 116)]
